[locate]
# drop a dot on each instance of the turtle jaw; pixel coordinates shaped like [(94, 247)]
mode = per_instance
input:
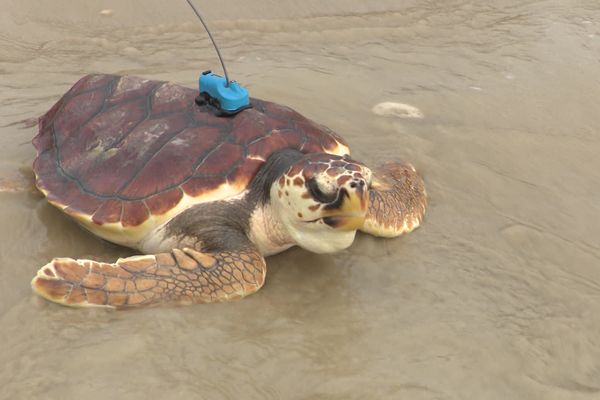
[(348, 211), (344, 222)]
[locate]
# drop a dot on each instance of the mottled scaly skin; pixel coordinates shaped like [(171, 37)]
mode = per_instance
[(179, 277), (397, 201)]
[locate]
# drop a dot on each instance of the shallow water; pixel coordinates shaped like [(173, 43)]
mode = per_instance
[(497, 296)]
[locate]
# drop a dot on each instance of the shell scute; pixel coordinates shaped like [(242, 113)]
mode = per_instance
[(45, 166), (109, 212), (328, 142), (83, 204), (244, 173), (248, 127), (134, 213), (310, 146), (221, 160), (60, 189), (169, 97), (280, 111), (128, 88), (292, 138), (201, 118), (197, 187), (45, 139), (268, 145), (91, 82), (165, 201), (76, 112)]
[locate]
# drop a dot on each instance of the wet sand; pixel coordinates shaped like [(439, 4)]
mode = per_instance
[(497, 296)]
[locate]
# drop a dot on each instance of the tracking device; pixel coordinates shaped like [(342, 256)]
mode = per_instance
[(226, 96)]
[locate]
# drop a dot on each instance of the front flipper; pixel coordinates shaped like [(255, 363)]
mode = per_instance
[(397, 201), (181, 277)]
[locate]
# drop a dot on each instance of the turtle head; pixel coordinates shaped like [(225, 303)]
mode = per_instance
[(322, 200)]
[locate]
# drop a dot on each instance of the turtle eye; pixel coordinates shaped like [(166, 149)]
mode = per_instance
[(317, 194)]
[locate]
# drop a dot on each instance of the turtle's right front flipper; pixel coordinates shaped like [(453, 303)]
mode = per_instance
[(181, 276)]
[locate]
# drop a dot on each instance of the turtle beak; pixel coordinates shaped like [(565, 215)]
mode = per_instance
[(349, 210)]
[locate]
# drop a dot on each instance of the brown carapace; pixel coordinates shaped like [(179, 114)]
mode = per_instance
[(120, 149)]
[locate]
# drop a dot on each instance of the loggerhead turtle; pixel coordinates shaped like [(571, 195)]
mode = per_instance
[(138, 163)]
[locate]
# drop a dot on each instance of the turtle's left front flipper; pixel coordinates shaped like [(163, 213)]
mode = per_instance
[(397, 200), (181, 276)]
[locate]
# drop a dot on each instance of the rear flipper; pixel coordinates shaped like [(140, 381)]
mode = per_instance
[(397, 200), (22, 183), (181, 277)]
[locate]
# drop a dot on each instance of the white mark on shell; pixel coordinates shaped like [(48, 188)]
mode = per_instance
[(179, 142), (129, 83), (255, 157), (167, 92), (106, 12), (399, 110)]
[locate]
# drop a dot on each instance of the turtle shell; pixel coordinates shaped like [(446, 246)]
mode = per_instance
[(121, 153)]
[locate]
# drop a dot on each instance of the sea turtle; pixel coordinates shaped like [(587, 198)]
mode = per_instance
[(206, 198)]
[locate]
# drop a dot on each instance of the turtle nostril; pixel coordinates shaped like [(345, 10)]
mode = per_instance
[(357, 182)]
